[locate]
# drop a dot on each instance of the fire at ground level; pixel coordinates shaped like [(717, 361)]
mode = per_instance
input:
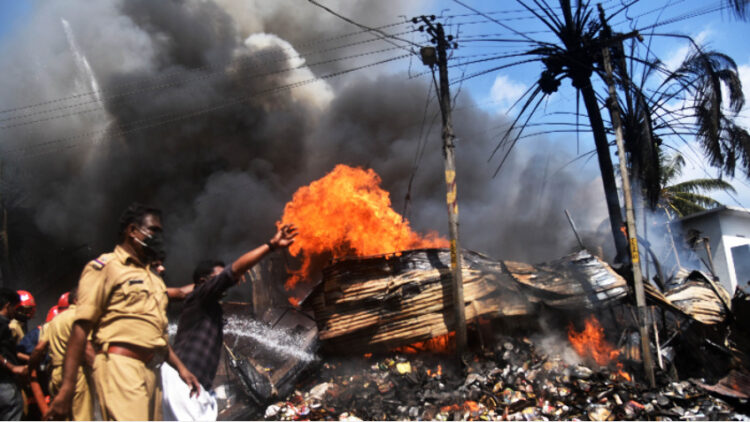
[(554, 341)]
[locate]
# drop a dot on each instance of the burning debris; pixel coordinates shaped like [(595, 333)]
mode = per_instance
[(515, 381), (384, 323), (388, 301), (386, 347)]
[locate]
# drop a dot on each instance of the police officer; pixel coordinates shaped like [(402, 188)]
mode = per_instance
[(124, 302), (54, 339)]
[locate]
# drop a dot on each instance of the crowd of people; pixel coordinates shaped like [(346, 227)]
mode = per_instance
[(104, 353)]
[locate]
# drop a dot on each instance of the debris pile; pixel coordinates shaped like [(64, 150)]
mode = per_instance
[(378, 303), (369, 337), (515, 381)]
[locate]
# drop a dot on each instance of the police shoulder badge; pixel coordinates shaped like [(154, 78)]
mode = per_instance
[(101, 261)]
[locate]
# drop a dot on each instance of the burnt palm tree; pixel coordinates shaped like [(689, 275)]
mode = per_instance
[(574, 57), (649, 114), (687, 197)]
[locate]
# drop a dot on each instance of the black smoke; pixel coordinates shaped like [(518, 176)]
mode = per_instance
[(192, 119)]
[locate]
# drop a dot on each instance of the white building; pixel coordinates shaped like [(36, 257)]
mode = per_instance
[(728, 231)]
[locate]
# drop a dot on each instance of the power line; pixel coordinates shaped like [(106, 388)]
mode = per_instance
[(687, 15), (200, 77), (244, 77), (214, 66), (385, 36), (493, 20), (174, 117)]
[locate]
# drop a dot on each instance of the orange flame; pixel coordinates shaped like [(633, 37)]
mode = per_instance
[(468, 406), (591, 344), (622, 374), (440, 344), (347, 213)]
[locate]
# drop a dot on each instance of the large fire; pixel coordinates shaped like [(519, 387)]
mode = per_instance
[(347, 213), (591, 344)]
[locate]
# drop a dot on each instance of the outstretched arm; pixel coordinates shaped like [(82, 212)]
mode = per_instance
[(282, 239), (180, 293)]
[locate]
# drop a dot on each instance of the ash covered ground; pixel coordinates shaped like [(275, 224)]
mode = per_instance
[(515, 381)]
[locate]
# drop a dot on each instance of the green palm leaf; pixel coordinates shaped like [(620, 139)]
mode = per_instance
[(688, 197)]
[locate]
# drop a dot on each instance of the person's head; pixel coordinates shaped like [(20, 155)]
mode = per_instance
[(52, 313), (207, 269), (9, 300), (64, 301), (141, 230), (26, 308)]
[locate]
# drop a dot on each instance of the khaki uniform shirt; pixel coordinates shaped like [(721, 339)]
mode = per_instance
[(125, 300), (16, 329), (57, 333)]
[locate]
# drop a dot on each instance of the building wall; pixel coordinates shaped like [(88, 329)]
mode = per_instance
[(736, 232), (709, 227), (726, 230)]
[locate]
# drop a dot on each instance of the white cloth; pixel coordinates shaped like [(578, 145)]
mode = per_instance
[(177, 403)]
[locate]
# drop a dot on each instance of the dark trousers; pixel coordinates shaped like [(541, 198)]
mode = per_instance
[(11, 401)]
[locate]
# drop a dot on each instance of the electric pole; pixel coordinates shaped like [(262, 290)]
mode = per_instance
[(429, 58), (644, 315)]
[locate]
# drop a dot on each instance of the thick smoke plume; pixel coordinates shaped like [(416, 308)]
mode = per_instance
[(189, 117)]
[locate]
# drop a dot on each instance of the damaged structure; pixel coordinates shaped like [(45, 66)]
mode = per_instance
[(380, 303), (368, 315)]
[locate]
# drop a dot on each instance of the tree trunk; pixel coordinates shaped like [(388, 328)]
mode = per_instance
[(607, 171)]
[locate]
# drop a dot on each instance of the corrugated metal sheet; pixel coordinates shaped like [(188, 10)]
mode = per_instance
[(387, 301), (696, 297)]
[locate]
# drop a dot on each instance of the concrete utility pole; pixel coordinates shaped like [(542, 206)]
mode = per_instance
[(644, 316), (428, 57)]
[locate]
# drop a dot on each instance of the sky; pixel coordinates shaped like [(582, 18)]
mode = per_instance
[(87, 70)]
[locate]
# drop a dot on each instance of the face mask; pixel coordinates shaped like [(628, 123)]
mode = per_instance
[(153, 245)]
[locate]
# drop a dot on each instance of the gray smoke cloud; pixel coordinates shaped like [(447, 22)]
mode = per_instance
[(191, 120)]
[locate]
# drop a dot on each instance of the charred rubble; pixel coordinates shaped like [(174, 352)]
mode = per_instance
[(376, 340), (515, 381)]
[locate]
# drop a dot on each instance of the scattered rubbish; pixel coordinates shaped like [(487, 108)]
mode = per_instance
[(538, 386), (386, 348)]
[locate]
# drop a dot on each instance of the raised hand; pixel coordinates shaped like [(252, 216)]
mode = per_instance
[(284, 236)]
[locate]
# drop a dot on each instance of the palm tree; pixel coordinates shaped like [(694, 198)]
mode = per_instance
[(741, 8), (575, 58), (703, 74), (685, 198), (648, 119), (648, 115)]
